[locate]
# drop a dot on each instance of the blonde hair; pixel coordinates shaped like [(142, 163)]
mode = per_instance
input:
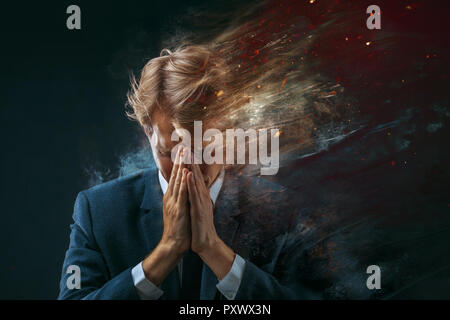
[(191, 83)]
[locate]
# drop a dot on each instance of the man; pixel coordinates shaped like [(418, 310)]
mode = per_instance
[(184, 231)]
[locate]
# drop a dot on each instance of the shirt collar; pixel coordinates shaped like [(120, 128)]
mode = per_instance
[(213, 190)]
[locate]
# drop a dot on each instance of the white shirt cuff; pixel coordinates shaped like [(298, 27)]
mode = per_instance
[(144, 287), (229, 285)]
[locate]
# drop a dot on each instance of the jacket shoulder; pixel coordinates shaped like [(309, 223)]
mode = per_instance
[(120, 193)]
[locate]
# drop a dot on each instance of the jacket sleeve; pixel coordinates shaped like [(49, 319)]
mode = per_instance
[(84, 252), (259, 284), (277, 280)]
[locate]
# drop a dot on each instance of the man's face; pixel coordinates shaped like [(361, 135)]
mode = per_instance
[(160, 141)]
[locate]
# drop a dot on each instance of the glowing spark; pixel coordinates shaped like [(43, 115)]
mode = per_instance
[(220, 93), (327, 95), (277, 134), (283, 83), (312, 1), (368, 43)]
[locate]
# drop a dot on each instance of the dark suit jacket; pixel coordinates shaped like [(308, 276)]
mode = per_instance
[(118, 223)]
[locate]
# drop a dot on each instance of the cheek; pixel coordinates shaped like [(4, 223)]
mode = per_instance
[(164, 164)]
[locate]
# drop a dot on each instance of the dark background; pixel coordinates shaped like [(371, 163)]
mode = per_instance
[(62, 107), (62, 110)]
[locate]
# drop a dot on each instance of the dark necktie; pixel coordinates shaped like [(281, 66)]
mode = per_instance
[(192, 276)]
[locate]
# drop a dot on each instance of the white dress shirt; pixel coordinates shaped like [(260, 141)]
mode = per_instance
[(228, 286)]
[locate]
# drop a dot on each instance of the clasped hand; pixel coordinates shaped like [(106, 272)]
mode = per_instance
[(188, 209)]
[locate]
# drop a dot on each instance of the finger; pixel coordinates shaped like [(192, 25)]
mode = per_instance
[(197, 178), (174, 172), (186, 156), (176, 187), (192, 191), (199, 182), (182, 194)]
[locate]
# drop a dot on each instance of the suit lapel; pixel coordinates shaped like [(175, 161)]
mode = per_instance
[(151, 219), (152, 225)]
